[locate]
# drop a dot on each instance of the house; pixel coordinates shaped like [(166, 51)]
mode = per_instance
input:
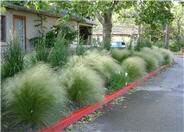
[(123, 33), (21, 20)]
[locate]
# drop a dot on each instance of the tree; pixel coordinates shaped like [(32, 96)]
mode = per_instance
[(178, 12), (155, 14), (102, 10)]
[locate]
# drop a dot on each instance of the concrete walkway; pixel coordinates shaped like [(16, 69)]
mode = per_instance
[(157, 106)]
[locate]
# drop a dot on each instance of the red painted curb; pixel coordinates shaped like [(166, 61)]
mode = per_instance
[(76, 115), (179, 53)]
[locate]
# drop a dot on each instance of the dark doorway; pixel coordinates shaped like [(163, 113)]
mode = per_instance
[(85, 34)]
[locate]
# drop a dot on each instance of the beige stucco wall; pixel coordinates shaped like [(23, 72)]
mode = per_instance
[(31, 30)]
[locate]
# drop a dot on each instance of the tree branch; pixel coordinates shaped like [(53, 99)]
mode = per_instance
[(114, 3), (99, 17)]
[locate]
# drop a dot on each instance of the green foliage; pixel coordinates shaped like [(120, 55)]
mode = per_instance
[(107, 44), (154, 12), (65, 31), (182, 43), (34, 97), (59, 53), (135, 67), (102, 62), (102, 10), (83, 85), (168, 56), (39, 5), (159, 44), (173, 47), (80, 50), (30, 59), (153, 15), (151, 62), (40, 24), (155, 53), (120, 54), (117, 81), (42, 52), (2, 6), (99, 61), (68, 32), (142, 44), (12, 59), (19, 3)]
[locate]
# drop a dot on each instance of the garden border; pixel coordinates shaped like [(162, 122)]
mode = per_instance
[(78, 114)]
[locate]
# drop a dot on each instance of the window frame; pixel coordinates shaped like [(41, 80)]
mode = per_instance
[(23, 18), (4, 31)]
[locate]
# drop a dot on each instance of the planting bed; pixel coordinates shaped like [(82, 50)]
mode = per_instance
[(76, 115)]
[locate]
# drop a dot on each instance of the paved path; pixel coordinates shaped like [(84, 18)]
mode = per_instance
[(157, 106)]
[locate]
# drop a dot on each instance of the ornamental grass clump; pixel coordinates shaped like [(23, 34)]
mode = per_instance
[(99, 61), (59, 53), (156, 54), (30, 59), (120, 55), (102, 62), (135, 67), (34, 97), (168, 56), (151, 62), (12, 59), (82, 84)]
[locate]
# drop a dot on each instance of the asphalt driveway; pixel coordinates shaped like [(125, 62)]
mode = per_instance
[(156, 106)]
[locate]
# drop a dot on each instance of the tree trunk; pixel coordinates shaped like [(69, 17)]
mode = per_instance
[(167, 36), (163, 37), (139, 33), (178, 35), (107, 29)]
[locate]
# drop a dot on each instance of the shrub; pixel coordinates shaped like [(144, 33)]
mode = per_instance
[(135, 67), (151, 62), (173, 47), (142, 44), (34, 97), (120, 55), (182, 43), (12, 59), (168, 56), (159, 44), (117, 81), (59, 53), (66, 31), (83, 85), (80, 50), (155, 53)]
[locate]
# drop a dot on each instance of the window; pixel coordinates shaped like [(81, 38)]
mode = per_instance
[(3, 28)]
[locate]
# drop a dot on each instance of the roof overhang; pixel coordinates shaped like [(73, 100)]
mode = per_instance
[(48, 13)]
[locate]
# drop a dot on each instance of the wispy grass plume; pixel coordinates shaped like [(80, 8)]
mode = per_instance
[(168, 56), (120, 54), (158, 56), (99, 61), (82, 84), (34, 97), (135, 67), (151, 62)]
